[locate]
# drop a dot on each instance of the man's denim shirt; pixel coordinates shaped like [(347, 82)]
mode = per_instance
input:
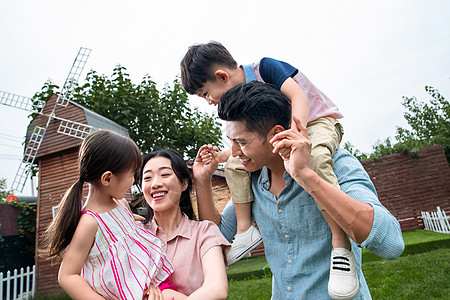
[(297, 240)]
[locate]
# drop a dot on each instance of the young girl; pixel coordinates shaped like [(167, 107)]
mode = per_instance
[(105, 254)]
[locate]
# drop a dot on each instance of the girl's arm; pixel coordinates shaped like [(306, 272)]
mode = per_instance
[(69, 277), (299, 102), (215, 284)]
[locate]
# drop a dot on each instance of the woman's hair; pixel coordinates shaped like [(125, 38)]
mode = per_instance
[(101, 151), (183, 174)]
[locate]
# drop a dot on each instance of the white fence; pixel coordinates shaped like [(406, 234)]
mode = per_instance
[(18, 286), (436, 221)]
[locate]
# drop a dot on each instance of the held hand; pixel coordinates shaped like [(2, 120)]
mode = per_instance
[(205, 163), (138, 217), (294, 147), (209, 153), (153, 293)]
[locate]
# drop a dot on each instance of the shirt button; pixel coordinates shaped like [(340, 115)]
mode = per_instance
[(290, 261), (280, 211), (163, 244), (289, 288), (286, 236)]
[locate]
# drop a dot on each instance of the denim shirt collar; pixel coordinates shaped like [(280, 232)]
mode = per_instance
[(249, 73), (264, 178)]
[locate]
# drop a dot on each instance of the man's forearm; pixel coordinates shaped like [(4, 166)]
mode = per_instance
[(353, 216)]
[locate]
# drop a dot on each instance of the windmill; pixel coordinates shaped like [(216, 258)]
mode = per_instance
[(66, 126)]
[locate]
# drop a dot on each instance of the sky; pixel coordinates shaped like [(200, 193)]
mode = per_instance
[(364, 56)]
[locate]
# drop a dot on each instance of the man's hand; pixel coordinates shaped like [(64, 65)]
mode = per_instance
[(294, 147)]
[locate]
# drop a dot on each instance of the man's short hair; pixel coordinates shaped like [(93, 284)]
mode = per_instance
[(260, 105), (199, 63)]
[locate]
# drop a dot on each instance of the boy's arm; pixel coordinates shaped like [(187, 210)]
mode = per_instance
[(209, 153), (299, 101), (222, 156), (69, 277)]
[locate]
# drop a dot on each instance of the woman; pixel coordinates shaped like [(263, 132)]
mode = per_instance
[(197, 249)]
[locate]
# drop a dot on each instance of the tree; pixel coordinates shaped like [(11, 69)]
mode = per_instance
[(355, 152), (154, 119), (429, 122), (4, 192)]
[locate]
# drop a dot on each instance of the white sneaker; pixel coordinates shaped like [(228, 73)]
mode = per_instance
[(243, 243), (343, 283)]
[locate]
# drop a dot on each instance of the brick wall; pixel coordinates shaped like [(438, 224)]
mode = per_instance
[(407, 184)]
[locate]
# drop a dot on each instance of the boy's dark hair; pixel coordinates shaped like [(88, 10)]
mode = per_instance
[(260, 105), (199, 63), (183, 174)]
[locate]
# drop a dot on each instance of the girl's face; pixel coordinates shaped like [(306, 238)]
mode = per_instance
[(122, 183), (161, 186)]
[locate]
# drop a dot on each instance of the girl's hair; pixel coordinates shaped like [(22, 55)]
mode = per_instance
[(183, 174), (101, 151)]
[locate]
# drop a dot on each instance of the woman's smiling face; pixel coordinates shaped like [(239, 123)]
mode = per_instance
[(161, 186)]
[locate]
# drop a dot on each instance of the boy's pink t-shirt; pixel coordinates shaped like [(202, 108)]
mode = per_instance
[(185, 249), (319, 104)]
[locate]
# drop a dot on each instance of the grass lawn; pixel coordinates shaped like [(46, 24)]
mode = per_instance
[(419, 276), (421, 272)]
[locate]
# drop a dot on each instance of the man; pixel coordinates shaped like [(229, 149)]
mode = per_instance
[(296, 237)]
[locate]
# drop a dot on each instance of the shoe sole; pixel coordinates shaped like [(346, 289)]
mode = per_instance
[(241, 254), (345, 297)]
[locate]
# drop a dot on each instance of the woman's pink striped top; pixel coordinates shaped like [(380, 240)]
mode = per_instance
[(125, 258)]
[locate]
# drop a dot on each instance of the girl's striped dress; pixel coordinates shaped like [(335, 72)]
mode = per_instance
[(125, 259)]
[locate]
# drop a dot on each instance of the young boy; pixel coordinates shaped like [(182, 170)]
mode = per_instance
[(208, 71)]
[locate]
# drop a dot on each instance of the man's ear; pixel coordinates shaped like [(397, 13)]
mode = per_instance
[(275, 129), (105, 179), (222, 75)]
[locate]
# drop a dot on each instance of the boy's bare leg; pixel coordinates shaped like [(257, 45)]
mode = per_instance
[(339, 237), (343, 282), (243, 216)]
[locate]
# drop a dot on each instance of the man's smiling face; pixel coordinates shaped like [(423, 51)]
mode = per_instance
[(249, 147)]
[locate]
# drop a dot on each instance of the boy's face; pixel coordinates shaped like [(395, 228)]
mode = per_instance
[(248, 147), (213, 90)]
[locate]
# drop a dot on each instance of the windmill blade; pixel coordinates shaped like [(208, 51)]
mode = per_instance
[(74, 75), (74, 129), (21, 102), (28, 159), (21, 177), (66, 127)]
